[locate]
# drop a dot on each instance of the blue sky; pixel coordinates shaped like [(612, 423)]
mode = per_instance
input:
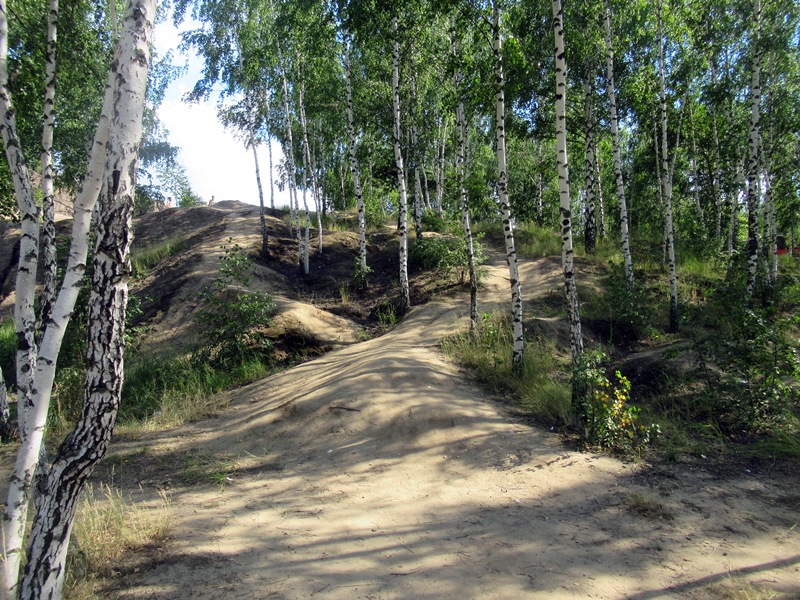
[(215, 162)]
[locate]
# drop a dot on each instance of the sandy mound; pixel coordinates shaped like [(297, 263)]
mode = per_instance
[(376, 471)]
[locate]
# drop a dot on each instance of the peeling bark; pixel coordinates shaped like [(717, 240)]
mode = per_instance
[(43, 576)]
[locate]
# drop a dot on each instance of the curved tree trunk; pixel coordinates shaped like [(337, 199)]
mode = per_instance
[(262, 215), (86, 445), (617, 157), (405, 296), (309, 168), (567, 253)]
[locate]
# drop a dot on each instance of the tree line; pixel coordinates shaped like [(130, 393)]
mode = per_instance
[(681, 116)]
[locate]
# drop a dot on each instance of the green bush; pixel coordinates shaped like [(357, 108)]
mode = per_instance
[(446, 254), (604, 412), (232, 319)]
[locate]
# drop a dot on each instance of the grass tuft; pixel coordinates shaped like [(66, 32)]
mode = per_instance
[(535, 388), (143, 261), (105, 530)]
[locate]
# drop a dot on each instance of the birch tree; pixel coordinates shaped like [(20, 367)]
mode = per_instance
[(461, 168), (112, 167), (505, 206), (405, 298), (753, 170), (351, 131), (567, 252), (666, 178), (617, 155)]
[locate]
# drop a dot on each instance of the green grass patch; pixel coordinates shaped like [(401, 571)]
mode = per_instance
[(143, 261), (536, 388), (170, 391)]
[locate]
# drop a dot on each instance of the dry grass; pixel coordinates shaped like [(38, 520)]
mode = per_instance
[(107, 527)]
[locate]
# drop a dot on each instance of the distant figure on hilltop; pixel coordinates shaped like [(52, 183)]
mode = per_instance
[(169, 201), (211, 202)]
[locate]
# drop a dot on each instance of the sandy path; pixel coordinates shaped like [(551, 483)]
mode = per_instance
[(376, 471)]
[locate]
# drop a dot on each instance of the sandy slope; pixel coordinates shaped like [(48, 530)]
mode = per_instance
[(376, 471)]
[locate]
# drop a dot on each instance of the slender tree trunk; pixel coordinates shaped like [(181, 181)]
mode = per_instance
[(351, 130), (505, 206), (695, 178), (48, 121), (440, 180), (405, 296), (425, 192), (44, 571), (262, 215), (309, 162), (770, 223), (667, 179), (539, 200), (461, 176), (269, 149), (590, 228), (601, 210), (753, 164), (307, 239), (567, 254), (617, 157)]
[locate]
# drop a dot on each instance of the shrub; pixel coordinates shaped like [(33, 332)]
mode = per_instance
[(607, 418), (446, 254), (232, 317)]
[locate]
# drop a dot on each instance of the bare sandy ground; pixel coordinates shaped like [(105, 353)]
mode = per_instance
[(377, 471)]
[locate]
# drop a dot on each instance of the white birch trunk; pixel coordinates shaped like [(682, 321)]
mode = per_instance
[(666, 175), (617, 156), (309, 167), (307, 233), (50, 267), (405, 295), (269, 151), (505, 206), (695, 177), (262, 215), (567, 253), (44, 571), (753, 164), (461, 168), (351, 131)]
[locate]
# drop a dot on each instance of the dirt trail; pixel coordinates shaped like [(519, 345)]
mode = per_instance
[(376, 471)]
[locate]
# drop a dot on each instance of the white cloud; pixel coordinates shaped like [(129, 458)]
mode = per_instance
[(216, 164)]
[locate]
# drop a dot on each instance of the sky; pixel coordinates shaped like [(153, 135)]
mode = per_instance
[(217, 164)]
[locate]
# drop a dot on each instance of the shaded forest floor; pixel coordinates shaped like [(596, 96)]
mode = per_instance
[(379, 471)]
